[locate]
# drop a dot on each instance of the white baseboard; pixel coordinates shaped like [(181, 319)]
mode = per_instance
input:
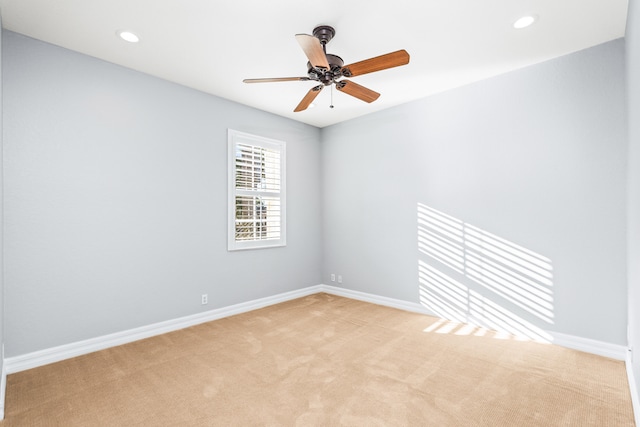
[(633, 388), (600, 348), (56, 354), (67, 351), (376, 299)]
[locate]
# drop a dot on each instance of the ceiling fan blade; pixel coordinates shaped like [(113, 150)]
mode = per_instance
[(354, 89), (277, 79), (313, 49), (308, 98), (382, 62)]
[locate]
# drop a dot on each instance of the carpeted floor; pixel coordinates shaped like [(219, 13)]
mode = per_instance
[(324, 360)]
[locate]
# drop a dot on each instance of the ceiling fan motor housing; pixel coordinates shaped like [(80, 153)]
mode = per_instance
[(329, 76)]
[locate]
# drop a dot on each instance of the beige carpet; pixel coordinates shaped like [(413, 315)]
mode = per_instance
[(324, 361)]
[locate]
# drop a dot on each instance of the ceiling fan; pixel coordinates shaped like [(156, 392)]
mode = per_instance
[(328, 69)]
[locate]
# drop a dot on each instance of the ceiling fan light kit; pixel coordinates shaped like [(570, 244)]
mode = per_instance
[(329, 69)]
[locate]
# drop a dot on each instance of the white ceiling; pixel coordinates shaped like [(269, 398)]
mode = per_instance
[(211, 45)]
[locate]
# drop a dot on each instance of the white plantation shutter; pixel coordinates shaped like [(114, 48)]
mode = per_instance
[(256, 192)]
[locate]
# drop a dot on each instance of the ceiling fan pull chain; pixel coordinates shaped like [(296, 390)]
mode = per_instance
[(331, 106)]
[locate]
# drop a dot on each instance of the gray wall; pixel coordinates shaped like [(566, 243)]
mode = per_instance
[(533, 162), (632, 40), (115, 200)]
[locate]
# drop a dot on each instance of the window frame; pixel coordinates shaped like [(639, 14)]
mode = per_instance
[(234, 138)]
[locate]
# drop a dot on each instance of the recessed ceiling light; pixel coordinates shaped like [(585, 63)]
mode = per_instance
[(525, 21), (128, 36)]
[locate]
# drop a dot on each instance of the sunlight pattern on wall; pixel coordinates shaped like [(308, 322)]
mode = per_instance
[(448, 297), (441, 237), (516, 274), (469, 255)]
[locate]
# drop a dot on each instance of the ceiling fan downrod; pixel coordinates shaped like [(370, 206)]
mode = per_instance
[(325, 33)]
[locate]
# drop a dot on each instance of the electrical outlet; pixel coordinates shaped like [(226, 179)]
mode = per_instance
[(333, 277), (205, 299), (339, 278)]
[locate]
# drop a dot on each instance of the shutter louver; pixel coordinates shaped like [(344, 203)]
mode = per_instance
[(257, 201)]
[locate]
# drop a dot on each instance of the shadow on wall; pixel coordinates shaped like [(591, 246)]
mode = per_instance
[(470, 276)]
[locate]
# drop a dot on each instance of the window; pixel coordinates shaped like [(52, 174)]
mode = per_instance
[(256, 192)]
